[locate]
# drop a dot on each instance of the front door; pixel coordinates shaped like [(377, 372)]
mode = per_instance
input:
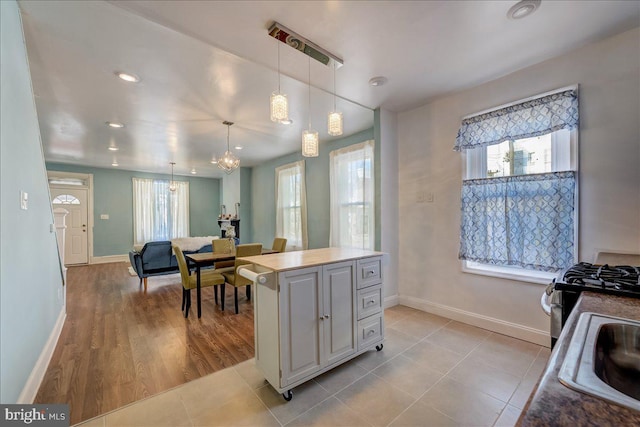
[(76, 237)]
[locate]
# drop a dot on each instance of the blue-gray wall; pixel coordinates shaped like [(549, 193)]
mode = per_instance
[(246, 211), (31, 298), (113, 195), (317, 183)]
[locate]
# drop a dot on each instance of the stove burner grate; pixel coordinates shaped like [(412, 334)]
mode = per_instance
[(621, 277)]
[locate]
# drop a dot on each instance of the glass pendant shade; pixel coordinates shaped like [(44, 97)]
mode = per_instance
[(228, 162), (334, 123), (310, 143), (279, 107)]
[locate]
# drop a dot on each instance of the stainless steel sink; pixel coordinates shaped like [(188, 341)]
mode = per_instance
[(603, 359)]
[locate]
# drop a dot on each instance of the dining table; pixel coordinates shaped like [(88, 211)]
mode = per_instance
[(204, 259)]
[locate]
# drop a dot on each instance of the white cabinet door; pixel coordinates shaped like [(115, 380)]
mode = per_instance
[(302, 335), (339, 315)]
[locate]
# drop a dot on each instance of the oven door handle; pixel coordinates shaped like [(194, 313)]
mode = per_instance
[(545, 299)]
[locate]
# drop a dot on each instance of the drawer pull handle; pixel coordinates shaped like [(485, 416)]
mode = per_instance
[(326, 316), (370, 272), (371, 331), (371, 301)]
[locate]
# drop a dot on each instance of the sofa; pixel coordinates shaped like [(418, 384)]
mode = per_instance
[(157, 258)]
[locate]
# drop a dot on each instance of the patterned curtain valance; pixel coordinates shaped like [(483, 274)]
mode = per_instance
[(528, 119)]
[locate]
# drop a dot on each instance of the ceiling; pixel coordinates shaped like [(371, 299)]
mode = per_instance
[(202, 62)]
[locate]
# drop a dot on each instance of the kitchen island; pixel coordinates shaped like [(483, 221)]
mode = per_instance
[(314, 310)]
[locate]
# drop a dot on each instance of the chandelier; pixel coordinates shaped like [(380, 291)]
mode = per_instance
[(334, 120), (279, 105), (228, 162), (172, 185), (309, 136)]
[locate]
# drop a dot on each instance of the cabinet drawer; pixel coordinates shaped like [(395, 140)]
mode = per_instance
[(370, 330), (369, 272), (369, 301)]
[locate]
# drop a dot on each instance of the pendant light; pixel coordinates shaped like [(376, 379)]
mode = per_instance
[(309, 136), (334, 120), (279, 104), (172, 184), (228, 162)]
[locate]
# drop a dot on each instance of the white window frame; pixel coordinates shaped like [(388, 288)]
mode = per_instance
[(304, 244), (475, 167)]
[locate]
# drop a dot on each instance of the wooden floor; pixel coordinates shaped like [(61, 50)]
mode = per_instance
[(120, 344)]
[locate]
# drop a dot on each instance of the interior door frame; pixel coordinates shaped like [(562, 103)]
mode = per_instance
[(88, 179)]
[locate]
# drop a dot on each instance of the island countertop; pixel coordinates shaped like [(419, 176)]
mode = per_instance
[(284, 261), (557, 405)]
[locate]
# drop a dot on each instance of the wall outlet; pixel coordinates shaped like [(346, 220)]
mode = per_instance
[(421, 197), (104, 216), (430, 198)]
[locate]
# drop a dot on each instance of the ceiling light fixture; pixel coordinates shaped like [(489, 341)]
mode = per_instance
[(127, 77), (114, 163), (172, 184), (309, 136), (378, 81), (279, 104), (193, 171), (116, 125), (228, 163), (238, 147), (286, 122), (334, 120), (523, 8), (113, 148), (214, 160)]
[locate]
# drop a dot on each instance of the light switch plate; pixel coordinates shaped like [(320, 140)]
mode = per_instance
[(104, 216), (24, 200)]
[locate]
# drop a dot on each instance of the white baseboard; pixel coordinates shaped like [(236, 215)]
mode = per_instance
[(30, 389), (391, 301), (515, 330), (109, 258)]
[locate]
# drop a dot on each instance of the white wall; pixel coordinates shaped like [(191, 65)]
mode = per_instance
[(31, 292), (389, 218), (430, 275)]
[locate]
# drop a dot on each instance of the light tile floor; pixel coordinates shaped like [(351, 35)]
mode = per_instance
[(432, 371)]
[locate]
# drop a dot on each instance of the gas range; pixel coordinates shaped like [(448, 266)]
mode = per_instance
[(615, 280), (622, 280)]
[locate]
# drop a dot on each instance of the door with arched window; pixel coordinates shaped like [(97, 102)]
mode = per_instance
[(76, 237)]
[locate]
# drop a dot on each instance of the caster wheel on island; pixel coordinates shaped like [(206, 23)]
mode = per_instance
[(379, 347), (288, 395)]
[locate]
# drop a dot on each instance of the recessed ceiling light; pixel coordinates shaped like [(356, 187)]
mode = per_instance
[(115, 163), (214, 161), (238, 147), (115, 124), (127, 77), (378, 81), (286, 122), (523, 8), (113, 148), (193, 171)]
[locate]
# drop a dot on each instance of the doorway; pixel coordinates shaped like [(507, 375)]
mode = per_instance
[(72, 191)]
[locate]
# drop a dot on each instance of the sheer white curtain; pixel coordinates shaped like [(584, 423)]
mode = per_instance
[(291, 205), (352, 194), (159, 214)]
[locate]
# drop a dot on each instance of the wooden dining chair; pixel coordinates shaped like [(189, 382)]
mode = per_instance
[(279, 244), (189, 281), (235, 279)]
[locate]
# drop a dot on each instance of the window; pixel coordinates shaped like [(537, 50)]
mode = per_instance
[(159, 214), (65, 199), (352, 195), (519, 209), (291, 205)]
